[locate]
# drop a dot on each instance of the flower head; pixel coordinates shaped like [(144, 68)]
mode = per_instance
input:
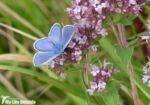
[(146, 73), (88, 15), (101, 75)]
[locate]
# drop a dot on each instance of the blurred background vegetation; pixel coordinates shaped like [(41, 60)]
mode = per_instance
[(21, 23), (34, 17)]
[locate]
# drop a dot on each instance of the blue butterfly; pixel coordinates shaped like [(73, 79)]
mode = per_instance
[(52, 46)]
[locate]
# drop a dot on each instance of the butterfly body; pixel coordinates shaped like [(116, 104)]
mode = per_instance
[(52, 46)]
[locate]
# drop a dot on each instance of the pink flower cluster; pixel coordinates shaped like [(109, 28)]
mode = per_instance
[(146, 73), (100, 77), (88, 17)]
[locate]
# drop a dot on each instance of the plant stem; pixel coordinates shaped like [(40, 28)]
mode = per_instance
[(115, 32), (123, 42), (122, 36), (96, 100), (133, 86)]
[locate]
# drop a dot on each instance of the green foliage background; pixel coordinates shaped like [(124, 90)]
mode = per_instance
[(32, 19)]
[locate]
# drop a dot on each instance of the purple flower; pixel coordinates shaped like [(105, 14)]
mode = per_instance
[(146, 74), (94, 48), (101, 75), (88, 15), (95, 70)]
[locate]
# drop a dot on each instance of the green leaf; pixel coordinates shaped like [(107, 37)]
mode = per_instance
[(112, 98), (110, 49), (120, 56), (116, 17), (125, 54), (125, 21), (68, 2)]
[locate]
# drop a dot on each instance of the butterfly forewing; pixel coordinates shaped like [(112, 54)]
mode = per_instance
[(55, 34), (44, 45), (68, 32)]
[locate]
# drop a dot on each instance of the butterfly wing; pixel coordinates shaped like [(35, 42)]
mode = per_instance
[(55, 34), (44, 45), (43, 58), (68, 32)]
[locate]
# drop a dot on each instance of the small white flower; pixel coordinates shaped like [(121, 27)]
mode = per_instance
[(90, 91), (71, 44), (99, 7), (83, 40), (63, 75), (149, 83), (52, 64), (146, 73), (105, 64), (101, 86), (95, 70), (94, 48), (146, 38), (68, 10), (61, 62), (94, 2), (84, 9), (105, 73), (94, 86), (77, 9), (78, 58), (133, 2), (77, 52), (145, 70), (145, 78), (78, 1)]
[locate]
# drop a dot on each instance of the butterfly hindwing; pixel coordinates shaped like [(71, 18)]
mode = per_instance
[(43, 58)]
